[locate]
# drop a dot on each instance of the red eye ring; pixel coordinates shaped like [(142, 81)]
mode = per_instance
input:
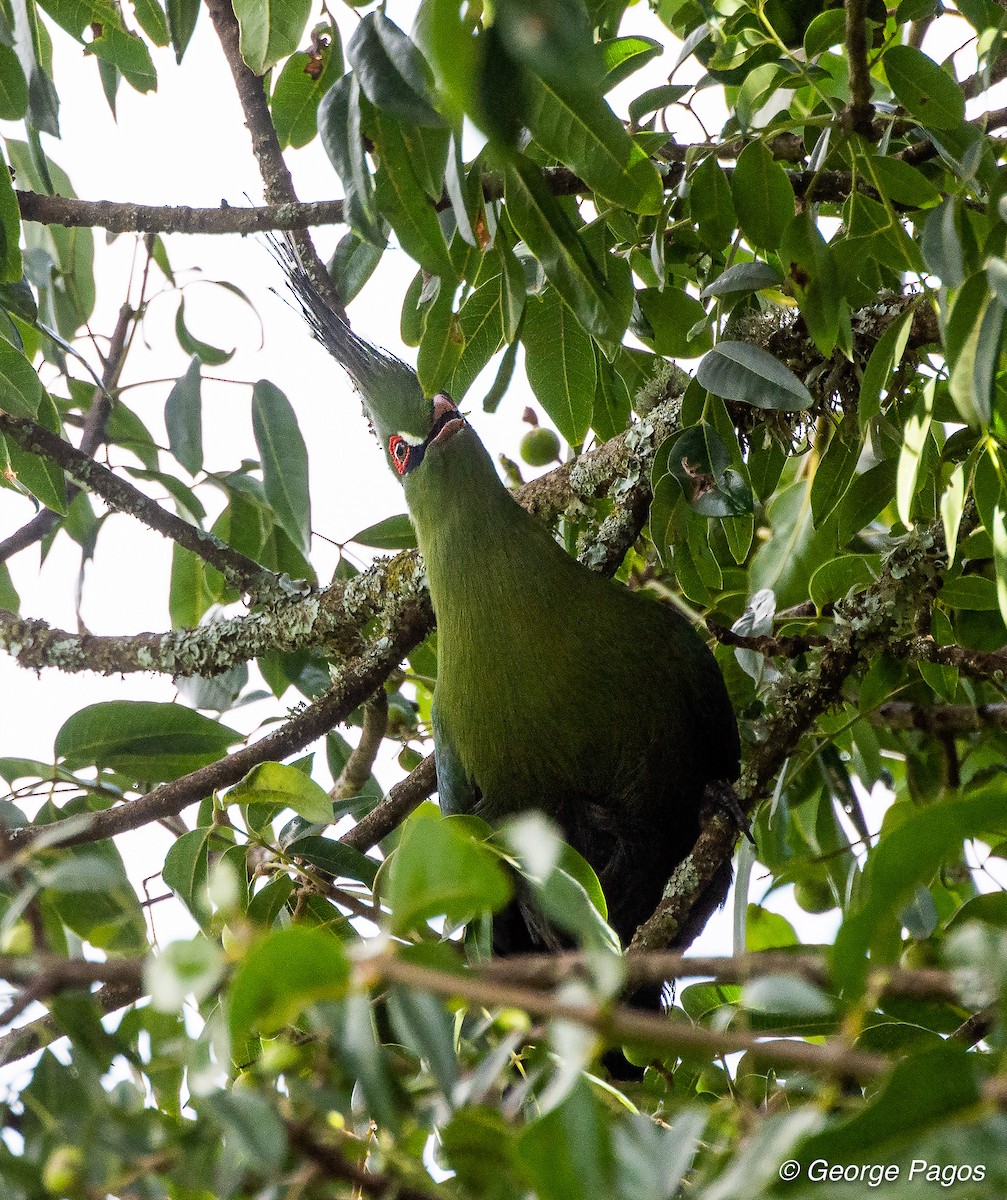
[(399, 449)]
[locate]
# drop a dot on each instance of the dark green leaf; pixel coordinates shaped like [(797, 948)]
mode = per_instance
[(183, 418), (701, 462), (302, 83), (269, 30), (13, 86), (282, 975), (567, 1154), (763, 197), (353, 264), (624, 55), (835, 471), (334, 858), (751, 375), (583, 132), (676, 324), (923, 88), (341, 138), (560, 364), (393, 533), (743, 277), (393, 74), (548, 232), (182, 16), (402, 189), (284, 461), (142, 739)]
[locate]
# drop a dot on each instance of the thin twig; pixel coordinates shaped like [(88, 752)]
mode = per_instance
[(358, 766), (406, 795)]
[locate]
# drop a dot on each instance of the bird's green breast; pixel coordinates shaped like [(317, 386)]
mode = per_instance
[(555, 686)]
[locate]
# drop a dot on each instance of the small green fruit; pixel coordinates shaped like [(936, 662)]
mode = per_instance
[(539, 447), (63, 1170), (814, 895)]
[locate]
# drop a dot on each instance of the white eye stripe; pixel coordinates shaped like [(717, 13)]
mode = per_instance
[(410, 440)]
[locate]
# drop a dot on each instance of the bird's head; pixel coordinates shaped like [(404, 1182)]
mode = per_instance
[(406, 422)]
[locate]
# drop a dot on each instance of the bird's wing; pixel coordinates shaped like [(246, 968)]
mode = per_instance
[(458, 794)]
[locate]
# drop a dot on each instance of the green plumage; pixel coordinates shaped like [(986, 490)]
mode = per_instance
[(557, 689)]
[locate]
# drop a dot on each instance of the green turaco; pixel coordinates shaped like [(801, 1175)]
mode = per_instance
[(557, 689)]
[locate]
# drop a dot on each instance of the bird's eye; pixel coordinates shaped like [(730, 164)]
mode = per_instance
[(398, 447)]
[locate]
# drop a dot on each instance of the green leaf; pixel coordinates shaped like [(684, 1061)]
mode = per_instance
[(127, 52), (142, 739), (284, 462), (275, 784), (835, 471), (42, 477), (701, 462), (1000, 558), (342, 140), (11, 265), (353, 264), (424, 1025), (182, 15), (567, 1154), (334, 858), (153, 21), (13, 86), (560, 363), (747, 373), (194, 588), (952, 507), (580, 130), (923, 88), (678, 323), (210, 355), (835, 579), (402, 192), (393, 533), (282, 975), (269, 30), (824, 32), (902, 183), (915, 434), (711, 204), (183, 418), (23, 394), (442, 868), (904, 858), (185, 870), (393, 74), (885, 358), (547, 231), (763, 197), (974, 593), (814, 280), (252, 1130), (622, 56), (743, 277), (302, 83)]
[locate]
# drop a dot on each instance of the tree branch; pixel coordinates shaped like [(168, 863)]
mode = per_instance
[(92, 436), (126, 217), (403, 797), (859, 114), (940, 720), (241, 572), (622, 1024), (276, 179), (358, 766), (360, 679)]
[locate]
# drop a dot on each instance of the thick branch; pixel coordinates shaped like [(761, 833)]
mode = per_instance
[(276, 179), (859, 113), (360, 679), (125, 217), (981, 664), (394, 808), (239, 571)]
